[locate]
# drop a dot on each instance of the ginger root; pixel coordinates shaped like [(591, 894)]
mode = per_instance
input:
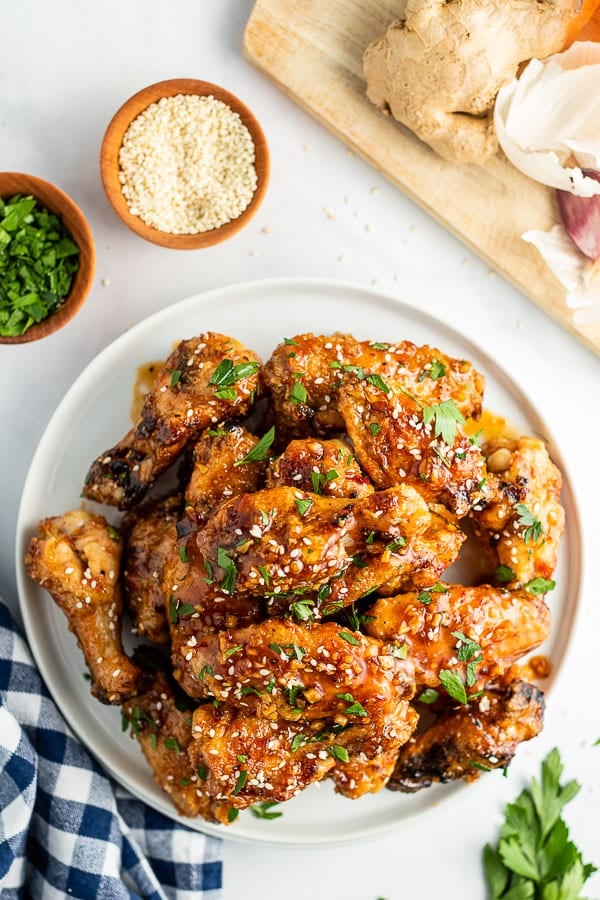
[(438, 69)]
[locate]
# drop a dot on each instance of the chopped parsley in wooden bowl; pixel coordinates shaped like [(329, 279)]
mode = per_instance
[(46, 258)]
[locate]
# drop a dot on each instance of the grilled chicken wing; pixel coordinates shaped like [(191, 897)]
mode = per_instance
[(397, 442), (77, 560), (521, 522), (205, 380), (151, 534), (323, 467), (163, 727), (463, 741), (248, 759), (218, 472), (475, 633), (278, 669), (304, 375)]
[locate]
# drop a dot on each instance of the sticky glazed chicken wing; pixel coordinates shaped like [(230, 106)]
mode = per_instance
[(305, 373), (151, 532), (77, 559), (162, 724), (204, 381), (399, 440), (279, 669), (473, 633), (466, 740), (218, 470), (327, 467), (521, 521)]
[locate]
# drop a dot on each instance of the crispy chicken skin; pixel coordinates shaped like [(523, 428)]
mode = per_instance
[(150, 535), (76, 559), (251, 759), (523, 488), (289, 546), (328, 465), (319, 365), (504, 624), (277, 669), (216, 471), (163, 727), (466, 739), (396, 445), (248, 759), (180, 405)]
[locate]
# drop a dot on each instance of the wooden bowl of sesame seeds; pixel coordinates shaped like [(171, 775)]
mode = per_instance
[(184, 164)]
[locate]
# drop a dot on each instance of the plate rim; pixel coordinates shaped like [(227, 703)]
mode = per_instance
[(235, 291)]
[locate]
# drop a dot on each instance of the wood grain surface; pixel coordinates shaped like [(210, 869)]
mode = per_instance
[(313, 50)]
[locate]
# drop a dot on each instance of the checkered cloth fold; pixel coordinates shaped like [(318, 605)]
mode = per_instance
[(65, 829)]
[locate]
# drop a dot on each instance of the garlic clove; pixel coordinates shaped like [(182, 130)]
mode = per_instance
[(578, 275), (548, 120), (581, 218)]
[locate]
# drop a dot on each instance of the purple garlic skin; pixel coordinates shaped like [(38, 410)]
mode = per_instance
[(581, 218)]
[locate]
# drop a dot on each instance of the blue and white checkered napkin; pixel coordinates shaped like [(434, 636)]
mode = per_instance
[(65, 829)]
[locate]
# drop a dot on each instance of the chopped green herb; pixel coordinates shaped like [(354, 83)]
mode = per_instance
[(225, 562), (355, 708), (378, 382), (38, 262), (226, 393), (374, 428), (241, 757), (425, 598), (299, 741), (227, 373), (186, 609), (429, 695), (303, 506), (241, 781), (302, 610), (113, 534), (378, 346), (264, 574), (153, 741), (396, 544), (259, 451), (454, 686), (349, 638), (87, 676), (338, 753), (532, 525), (445, 417), (477, 765), (298, 393), (175, 377), (232, 814), (399, 652), (356, 370), (206, 670), (475, 437), (172, 743), (290, 343), (269, 686), (183, 554), (540, 586), (468, 647), (233, 650), (262, 810), (504, 574), (201, 772), (172, 610), (275, 648), (437, 370), (320, 479), (210, 572), (217, 432), (534, 858), (370, 537)]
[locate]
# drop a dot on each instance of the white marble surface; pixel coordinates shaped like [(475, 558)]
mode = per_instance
[(64, 69)]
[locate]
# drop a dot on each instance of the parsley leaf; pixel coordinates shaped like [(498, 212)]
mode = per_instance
[(534, 858), (298, 393), (259, 451), (374, 428), (349, 638), (429, 695), (504, 574), (338, 753), (262, 810), (225, 562), (540, 586), (445, 417), (227, 373), (303, 506), (533, 526), (454, 686), (378, 382)]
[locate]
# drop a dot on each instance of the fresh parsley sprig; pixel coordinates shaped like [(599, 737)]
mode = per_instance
[(534, 858), (259, 451)]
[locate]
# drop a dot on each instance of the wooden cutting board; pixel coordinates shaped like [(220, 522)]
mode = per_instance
[(313, 50)]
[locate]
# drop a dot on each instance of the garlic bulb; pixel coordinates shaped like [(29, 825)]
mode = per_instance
[(548, 120)]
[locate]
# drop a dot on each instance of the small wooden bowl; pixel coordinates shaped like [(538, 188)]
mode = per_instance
[(58, 202), (109, 162)]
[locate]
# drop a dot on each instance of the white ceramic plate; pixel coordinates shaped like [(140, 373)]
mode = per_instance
[(93, 416)]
